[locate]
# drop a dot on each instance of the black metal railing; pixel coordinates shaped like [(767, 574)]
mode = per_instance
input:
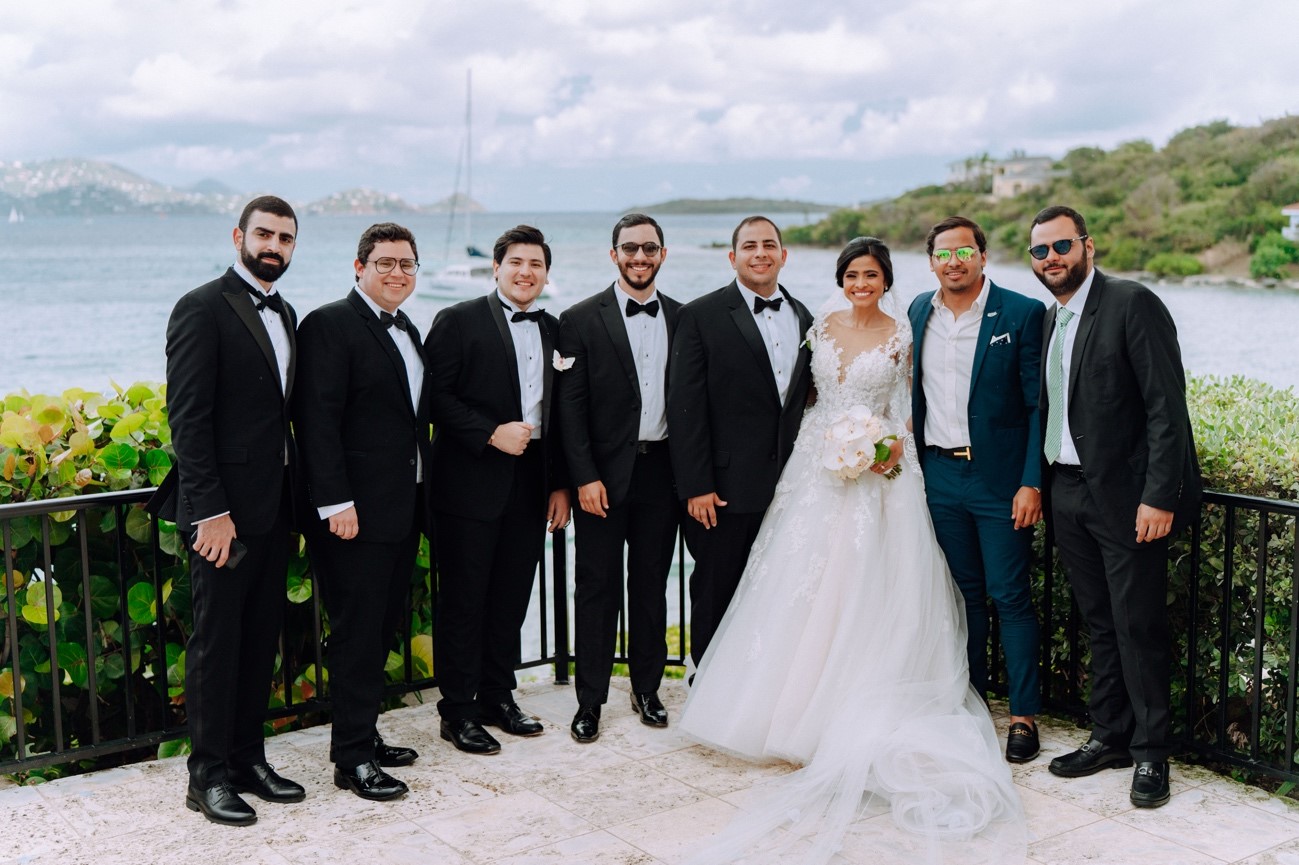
[(96, 673)]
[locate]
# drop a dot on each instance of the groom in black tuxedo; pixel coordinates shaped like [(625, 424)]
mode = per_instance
[(499, 473), (1123, 473), (231, 359), (737, 388), (613, 409), (361, 417)]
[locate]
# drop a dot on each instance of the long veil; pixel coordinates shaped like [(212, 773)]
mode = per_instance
[(908, 767)]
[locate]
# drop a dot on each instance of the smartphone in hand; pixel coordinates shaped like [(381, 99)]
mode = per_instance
[(237, 551)]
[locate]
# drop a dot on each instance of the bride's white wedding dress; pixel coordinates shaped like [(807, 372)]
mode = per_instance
[(844, 652)]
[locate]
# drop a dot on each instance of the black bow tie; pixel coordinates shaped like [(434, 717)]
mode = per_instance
[(651, 309), (534, 316), (761, 303), (387, 319), (263, 300)]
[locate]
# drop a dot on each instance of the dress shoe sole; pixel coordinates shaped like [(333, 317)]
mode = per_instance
[(584, 740), (652, 723), (1114, 761), (373, 797), (503, 728), (460, 747), (1023, 758), (267, 797), (194, 806), (1148, 801)]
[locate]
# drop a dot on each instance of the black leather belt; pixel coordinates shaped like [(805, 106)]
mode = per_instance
[(962, 453), (651, 447), (1072, 472)]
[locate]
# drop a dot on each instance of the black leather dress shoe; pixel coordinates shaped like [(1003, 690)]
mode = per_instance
[(1150, 784), (391, 756), (1090, 759), (586, 725), (265, 783), (369, 782), (650, 709), (469, 736), (1021, 743), (220, 804), (510, 718)]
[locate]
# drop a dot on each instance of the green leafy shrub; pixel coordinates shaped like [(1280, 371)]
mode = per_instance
[(1272, 257), (1174, 264)]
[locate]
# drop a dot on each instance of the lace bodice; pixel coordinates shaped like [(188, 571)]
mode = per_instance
[(873, 378)]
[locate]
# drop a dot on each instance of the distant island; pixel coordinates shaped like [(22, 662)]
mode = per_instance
[(86, 187), (687, 206)]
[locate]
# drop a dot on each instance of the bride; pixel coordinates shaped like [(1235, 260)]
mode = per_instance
[(844, 648)]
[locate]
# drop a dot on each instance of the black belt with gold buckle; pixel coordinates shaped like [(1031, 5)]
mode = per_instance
[(953, 453), (649, 447)]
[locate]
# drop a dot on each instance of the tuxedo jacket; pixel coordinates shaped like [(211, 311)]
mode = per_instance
[(1127, 405), (728, 431), (356, 428), (473, 387), (1005, 424), (228, 413), (599, 396)]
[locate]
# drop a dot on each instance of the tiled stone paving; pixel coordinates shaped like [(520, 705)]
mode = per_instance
[(638, 796)]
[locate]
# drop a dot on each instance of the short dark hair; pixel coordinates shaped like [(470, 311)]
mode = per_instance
[(520, 234), (379, 233), (749, 220), (632, 220), (856, 248), (267, 204), (951, 222), (1056, 211)]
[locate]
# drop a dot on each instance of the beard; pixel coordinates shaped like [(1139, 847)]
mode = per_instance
[(269, 267), (636, 280), (1065, 284)]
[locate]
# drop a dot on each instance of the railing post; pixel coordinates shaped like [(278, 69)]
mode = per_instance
[(559, 582)]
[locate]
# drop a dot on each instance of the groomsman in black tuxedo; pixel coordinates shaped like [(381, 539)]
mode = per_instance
[(1123, 473), (231, 358), (737, 387), (361, 417), (500, 476), (613, 410)]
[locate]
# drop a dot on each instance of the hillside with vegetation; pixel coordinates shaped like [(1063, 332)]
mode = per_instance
[(1210, 200)]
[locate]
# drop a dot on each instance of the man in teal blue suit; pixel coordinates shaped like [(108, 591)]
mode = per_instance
[(974, 407)]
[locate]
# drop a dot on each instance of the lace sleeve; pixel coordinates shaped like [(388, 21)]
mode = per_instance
[(900, 396)]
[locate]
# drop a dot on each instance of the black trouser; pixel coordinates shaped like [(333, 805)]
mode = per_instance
[(485, 573), (1121, 591), (720, 554), (365, 586), (230, 656), (646, 522)]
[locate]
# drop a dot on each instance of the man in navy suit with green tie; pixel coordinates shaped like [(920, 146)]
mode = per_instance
[(974, 395)]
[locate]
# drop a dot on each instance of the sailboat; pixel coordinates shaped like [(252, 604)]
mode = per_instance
[(15, 215), (471, 276)]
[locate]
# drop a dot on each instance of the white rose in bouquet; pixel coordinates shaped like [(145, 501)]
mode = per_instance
[(854, 443)]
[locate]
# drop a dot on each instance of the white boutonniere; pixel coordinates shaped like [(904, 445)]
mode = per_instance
[(562, 363), (807, 341)]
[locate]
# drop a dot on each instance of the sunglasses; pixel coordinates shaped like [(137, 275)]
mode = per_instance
[(962, 253), (1061, 247), (629, 249)]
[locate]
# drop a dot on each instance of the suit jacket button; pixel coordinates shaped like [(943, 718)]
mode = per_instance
[(412, 462), (773, 457)]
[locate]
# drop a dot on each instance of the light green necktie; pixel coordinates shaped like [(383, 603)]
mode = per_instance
[(1055, 387)]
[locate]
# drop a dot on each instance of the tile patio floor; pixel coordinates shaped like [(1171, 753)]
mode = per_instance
[(638, 796)]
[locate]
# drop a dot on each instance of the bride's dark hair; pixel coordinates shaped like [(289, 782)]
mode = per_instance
[(856, 248)]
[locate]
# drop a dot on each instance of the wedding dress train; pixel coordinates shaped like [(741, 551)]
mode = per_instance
[(844, 652)]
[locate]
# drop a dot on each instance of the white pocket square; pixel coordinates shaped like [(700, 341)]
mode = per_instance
[(1000, 339)]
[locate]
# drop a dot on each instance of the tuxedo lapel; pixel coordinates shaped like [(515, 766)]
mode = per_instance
[(497, 313), (291, 325), (385, 341), (612, 317), (244, 306), (804, 351), (1085, 322), (921, 311), (547, 371), (991, 316), (742, 315)]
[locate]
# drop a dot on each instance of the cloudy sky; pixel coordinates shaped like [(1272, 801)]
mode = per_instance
[(600, 105)]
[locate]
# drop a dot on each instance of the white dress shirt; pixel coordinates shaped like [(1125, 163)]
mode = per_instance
[(947, 359), (414, 375), (527, 354), (779, 329), (1068, 453), (276, 329), (648, 336)]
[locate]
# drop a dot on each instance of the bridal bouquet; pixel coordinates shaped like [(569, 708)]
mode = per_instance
[(855, 442)]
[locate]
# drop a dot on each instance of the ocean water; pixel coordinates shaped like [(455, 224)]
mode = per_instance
[(85, 301)]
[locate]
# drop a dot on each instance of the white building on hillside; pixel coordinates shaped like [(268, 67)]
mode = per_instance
[(1291, 233)]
